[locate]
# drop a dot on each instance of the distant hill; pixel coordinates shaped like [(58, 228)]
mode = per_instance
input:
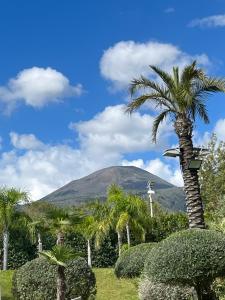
[(131, 179)]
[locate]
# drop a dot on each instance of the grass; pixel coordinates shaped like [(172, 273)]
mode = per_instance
[(111, 288), (5, 284), (108, 286)]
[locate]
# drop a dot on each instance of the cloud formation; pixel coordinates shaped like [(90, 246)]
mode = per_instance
[(113, 130), (159, 168), (103, 141), (127, 60), (210, 22), (25, 141), (37, 87)]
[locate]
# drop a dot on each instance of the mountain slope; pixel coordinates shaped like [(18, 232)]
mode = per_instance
[(131, 179)]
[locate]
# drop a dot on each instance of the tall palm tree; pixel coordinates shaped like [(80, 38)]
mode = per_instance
[(58, 256), (181, 96), (9, 199), (128, 212), (88, 229)]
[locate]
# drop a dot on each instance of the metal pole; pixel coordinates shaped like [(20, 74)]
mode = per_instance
[(151, 206)]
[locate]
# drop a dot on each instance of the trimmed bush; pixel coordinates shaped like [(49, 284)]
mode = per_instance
[(37, 280), (149, 290), (131, 262), (193, 257)]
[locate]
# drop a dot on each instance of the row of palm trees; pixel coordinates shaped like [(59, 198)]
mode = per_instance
[(122, 212)]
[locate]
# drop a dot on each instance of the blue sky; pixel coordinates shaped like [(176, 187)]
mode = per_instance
[(65, 68)]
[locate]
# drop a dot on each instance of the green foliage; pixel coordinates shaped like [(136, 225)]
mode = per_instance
[(21, 249), (131, 262), (164, 223), (59, 255), (102, 257), (162, 291), (183, 93), (37, 280), (212, 181), (194, 257)]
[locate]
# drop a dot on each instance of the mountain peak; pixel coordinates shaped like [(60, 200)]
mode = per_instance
[(131, 179)]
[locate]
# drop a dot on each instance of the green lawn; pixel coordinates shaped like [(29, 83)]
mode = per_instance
[(111, 288), (108, 286), (5, 284)]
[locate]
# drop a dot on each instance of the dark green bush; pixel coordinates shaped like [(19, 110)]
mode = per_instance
[(131, 262), (194, 257), (149, 290), (21, 249), (36, 280), (103, 257)]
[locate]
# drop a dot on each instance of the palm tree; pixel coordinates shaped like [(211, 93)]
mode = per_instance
[(180, 96), (9, 199), (60, 221), (88, 229), (36, 228), (58, 256), (128, 212)]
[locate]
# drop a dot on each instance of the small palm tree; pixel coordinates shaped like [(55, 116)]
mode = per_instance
[(180, 96), (9, 199), (36, 228), (60, 221), (58, 256)]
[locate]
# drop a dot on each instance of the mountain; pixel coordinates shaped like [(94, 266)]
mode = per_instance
[(131, 179)]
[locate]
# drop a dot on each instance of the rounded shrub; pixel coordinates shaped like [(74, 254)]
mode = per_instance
[(37, 280), (193, 257), (149, 290), (131, 262)]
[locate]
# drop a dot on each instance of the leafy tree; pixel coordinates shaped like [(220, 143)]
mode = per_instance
[(59, 255), (9, 199), (181, 96), (212, 181)]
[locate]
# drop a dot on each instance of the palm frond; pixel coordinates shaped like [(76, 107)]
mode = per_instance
[(159, 119), (166, 77)]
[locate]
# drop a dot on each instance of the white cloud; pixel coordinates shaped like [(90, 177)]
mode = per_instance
[(115, 131), (159, 168), (25, 141), (211, 21), (103, 141), (37, 87), (220, 129), (127, 60)]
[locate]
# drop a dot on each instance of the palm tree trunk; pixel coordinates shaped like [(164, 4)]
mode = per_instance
[(89, 253), (194, 203), (61, 283), (40, 248), (60, 238), (119, 241), (5, 249), (128, 234)]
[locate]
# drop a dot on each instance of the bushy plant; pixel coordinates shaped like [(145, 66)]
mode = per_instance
[(131, 262), (194, 257), (20, 250), (149, 290), (37, 280)]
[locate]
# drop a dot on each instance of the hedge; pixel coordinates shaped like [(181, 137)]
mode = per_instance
[(194, 257), (149, 290), (37, 280), (131, 262)]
